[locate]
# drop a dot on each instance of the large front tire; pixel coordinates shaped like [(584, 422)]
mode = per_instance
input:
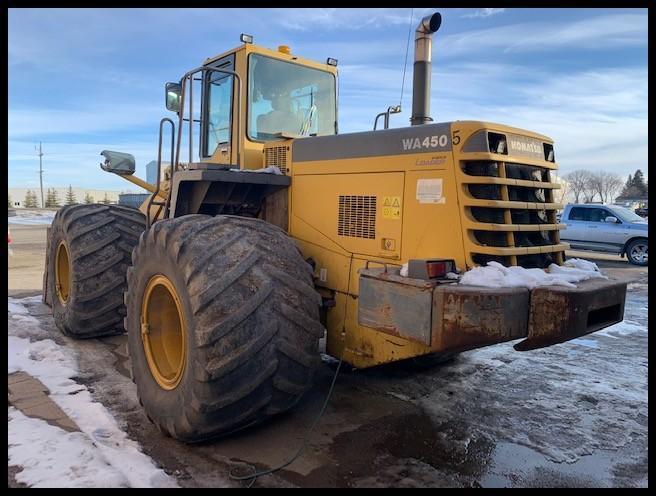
[(89, 250), (223, 324)]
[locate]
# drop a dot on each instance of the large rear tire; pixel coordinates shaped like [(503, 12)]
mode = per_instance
[(89, 250), (223, 324)]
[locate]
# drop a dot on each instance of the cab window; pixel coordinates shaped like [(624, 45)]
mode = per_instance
[(219, 106), (598, 214), (284, 97), (578, 214)]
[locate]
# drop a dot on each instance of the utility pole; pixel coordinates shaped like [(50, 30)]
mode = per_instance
[(41, 173)]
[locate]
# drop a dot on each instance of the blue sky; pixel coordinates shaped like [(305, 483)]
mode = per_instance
[(84, 80)]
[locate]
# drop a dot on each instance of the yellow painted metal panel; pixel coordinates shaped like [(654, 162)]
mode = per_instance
[(315, 215), (432, 230)]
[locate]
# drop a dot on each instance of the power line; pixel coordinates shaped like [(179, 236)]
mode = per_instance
[(405, 64)]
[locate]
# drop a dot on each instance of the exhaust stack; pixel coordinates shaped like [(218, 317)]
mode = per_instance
[(421, 81)]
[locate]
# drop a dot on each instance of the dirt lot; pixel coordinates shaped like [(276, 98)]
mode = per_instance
[(571, 415)]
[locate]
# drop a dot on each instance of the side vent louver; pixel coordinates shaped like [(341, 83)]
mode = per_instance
[(276, 155), (357, 216)]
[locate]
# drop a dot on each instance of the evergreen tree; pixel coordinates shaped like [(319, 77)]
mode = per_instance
[(88, 198), (106, 200), (639, 183), (70, 196), (52, 199), (30, 199), (635, 186)]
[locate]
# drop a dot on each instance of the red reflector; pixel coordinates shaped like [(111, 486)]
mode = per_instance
[(436, 269)]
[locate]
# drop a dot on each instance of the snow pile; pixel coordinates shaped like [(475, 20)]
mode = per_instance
[(272, 169), (100, 455), (32, 218), (495, 275)]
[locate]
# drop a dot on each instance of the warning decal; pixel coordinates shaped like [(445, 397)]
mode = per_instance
[(429, 191), (391, 207)]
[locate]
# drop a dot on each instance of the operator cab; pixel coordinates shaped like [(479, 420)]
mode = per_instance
[(252, 95)]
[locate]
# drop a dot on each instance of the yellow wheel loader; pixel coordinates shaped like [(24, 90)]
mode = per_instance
[(278, 238)]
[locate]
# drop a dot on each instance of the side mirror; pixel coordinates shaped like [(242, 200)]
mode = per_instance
[(173, 91), (611, 220), (119, 163)]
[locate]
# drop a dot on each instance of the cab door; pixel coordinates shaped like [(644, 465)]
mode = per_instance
[(602, 235), (576, 223), (217, 141)]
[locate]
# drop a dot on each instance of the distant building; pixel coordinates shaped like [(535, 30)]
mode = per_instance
[(132, 199), (18, 195), (151, 171)]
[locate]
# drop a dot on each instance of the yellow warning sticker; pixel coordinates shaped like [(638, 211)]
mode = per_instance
[(391, 207)]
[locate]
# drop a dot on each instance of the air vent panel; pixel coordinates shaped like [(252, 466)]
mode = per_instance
[(276, 156), (357, 216)]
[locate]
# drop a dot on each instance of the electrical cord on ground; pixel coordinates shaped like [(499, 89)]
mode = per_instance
[(253, 477)]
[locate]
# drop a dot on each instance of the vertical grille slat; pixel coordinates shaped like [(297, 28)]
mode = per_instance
[(357, 216)]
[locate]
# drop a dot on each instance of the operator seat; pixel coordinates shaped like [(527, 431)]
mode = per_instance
[(281, 119)]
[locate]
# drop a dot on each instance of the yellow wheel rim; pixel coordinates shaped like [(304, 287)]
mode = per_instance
[(62, 273), (163, 332)]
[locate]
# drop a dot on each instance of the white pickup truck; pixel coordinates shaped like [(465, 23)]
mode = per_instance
[(606, 228)]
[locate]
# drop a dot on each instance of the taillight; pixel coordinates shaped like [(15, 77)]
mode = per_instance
[(430, 269), (436, 269)]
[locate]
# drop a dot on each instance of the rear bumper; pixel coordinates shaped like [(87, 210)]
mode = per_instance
[(558, 313), (455, 317)]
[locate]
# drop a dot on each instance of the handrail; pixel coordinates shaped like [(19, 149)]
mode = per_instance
[(189, 77), (390, 110), (159, 168)]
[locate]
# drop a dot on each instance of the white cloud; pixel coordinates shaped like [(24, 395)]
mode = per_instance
[(93, 119), (487, 12), (594, 33), (329, 19), (75, 163)]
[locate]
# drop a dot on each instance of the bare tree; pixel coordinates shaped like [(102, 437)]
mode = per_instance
[(611, 185), (580, 185), (604, 184), (561, 194)]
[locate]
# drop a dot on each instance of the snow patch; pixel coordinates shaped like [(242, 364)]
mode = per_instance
[(564, 401), (16, 308), (495, 275), (50, 457), (31, 219)]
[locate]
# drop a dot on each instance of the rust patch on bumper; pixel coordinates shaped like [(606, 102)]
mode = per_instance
[(466, 317), (559, 313)]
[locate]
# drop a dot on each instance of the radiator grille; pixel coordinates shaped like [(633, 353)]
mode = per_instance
[(512, 213), (357, 217), (277, 156)]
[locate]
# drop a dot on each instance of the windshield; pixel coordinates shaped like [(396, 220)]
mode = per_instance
[(625, 215), (289, 98)]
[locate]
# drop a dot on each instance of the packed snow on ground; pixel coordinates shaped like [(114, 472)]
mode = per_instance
[(565, 401), (32, 218), (495, 275), (101, 455)]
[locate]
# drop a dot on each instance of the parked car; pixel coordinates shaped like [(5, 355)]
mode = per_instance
[(606, 228)]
